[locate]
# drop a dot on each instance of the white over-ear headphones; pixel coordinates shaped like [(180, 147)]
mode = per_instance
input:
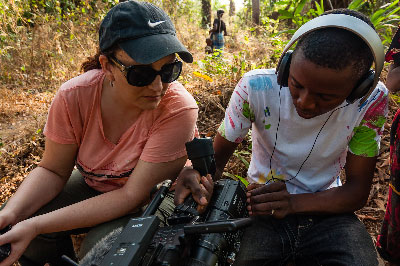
[(352, 24)]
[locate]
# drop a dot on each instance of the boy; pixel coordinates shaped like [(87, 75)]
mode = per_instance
[(304, 133)]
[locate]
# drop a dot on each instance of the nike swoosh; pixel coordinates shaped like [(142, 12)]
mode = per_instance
[(153, 24)]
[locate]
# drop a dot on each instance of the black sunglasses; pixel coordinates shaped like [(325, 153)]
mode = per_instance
[(141, 75)]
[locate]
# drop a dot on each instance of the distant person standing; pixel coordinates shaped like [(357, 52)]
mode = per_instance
[(219, 27)]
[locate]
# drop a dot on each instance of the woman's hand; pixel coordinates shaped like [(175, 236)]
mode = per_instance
[(19, 237), (7, 218), (272, 199), (189, 181)]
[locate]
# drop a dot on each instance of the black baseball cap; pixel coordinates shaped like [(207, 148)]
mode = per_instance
[(143, 30)]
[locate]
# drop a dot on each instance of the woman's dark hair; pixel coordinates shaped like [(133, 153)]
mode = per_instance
[(337, 48), (94, 63)]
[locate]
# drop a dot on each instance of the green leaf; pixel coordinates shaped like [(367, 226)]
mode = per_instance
[(356, 4), (300, 7), (285, 13), (284, 31), (376, 15), (237, 177), (320, 7)]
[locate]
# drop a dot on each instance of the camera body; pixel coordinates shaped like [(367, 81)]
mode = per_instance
[(190, 239), (213, 238), (5, 249)]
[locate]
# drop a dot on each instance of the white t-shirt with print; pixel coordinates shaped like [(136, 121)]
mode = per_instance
[(308, 154)]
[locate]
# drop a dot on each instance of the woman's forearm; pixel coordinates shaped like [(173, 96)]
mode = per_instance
[(90, 212), (38, 188)]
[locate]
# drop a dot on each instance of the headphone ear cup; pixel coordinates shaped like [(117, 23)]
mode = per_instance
[(283, 69), (363, 87)]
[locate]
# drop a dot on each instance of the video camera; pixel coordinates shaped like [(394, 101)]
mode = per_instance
[(190, 239)]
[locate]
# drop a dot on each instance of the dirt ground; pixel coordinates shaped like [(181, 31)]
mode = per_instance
[(23, 114)]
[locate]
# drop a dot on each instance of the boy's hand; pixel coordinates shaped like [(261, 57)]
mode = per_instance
[(272, 199), (190, 182)]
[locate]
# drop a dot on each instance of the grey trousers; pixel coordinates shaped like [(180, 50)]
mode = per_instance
[(49, 248)]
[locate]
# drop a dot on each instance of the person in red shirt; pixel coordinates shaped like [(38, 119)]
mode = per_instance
[(388, 241)]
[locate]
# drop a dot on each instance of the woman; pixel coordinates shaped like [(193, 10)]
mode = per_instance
[(219, 27), (123, 124)]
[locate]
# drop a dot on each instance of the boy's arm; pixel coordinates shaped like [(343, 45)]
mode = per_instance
[(274, 199), (223, 151), (350, 197)]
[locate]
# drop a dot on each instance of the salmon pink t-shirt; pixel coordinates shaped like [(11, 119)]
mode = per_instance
[(158, 135)]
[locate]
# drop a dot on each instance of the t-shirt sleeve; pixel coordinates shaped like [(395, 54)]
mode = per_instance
[(215, 22), (367, 136), (171, 131), (238, 115), (58, 127)]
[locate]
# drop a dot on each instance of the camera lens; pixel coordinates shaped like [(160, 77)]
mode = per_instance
[(5, 249)]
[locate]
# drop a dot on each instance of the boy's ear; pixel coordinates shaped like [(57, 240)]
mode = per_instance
[(106, 66), (363, 86)]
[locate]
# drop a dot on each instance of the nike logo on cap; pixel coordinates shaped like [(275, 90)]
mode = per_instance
[(153, 24)]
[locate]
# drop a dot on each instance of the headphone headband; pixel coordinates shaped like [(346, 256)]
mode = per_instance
[(353, 24)]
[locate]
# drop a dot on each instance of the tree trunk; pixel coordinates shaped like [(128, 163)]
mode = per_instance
[(206, 13), (336, 4), (231, 8), (255, 8)]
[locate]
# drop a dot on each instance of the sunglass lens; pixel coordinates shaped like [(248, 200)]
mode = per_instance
[(141, 76), (171, 72)]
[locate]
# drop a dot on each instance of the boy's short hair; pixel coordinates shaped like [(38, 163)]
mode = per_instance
[(220, 11), (337, 48)]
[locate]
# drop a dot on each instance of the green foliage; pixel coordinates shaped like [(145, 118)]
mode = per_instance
[(385, 18), (217, 4), (395, 97), (217, 65), (294, 12), (237, 177), (278, 45)]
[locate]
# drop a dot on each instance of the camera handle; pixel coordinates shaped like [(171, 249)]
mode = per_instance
[(217, 227), (158, 198)]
